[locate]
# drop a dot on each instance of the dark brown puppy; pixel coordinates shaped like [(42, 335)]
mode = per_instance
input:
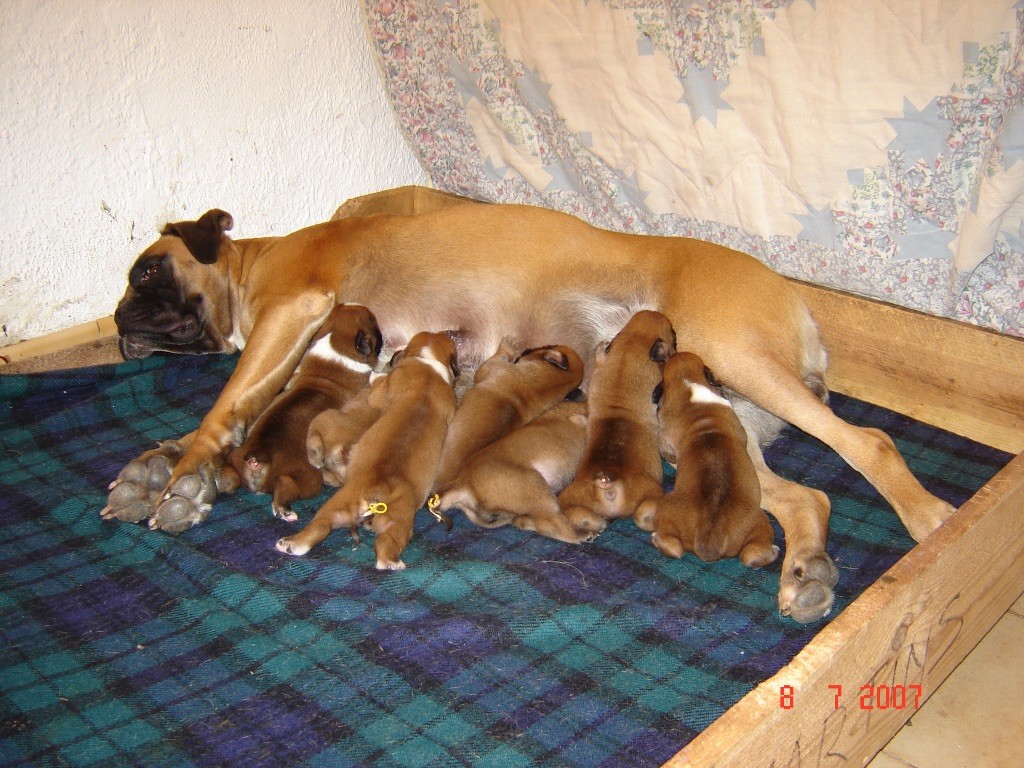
[(393, 465), (336, 366), (621, 471), (515, 480), (714, 509), (508, 391)]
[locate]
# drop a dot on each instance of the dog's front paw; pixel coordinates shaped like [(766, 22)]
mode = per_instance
[(805, 587), (188, 502), (135, 494), (390, 565)]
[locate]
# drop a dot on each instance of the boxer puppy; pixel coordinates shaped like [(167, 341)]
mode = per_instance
[(393, 465), (714, 509), (508, 391), (621, 471), (333, 433), (487, 272), (515, 480), (337, 364)]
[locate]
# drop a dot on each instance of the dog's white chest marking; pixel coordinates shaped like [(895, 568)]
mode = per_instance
[(700, 393), (323, 350)]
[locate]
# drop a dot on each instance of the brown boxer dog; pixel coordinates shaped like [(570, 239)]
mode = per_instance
[(714, 510), (621, 471), (336, 366), (515, 479), (393, 465), (487, 272), (508, 391)]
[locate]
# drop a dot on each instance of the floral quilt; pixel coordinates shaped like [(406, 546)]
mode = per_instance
[(875, 147)]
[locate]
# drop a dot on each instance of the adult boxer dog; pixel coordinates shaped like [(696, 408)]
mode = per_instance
[(714, 510), (490, 271)]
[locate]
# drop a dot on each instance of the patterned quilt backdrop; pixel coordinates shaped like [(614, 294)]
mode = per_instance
[(874, 146)]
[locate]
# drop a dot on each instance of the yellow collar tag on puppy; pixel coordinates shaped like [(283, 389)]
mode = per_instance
[(376, 508), (434, 502)]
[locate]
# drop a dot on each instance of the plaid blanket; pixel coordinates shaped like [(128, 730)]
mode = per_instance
[(127, 647)]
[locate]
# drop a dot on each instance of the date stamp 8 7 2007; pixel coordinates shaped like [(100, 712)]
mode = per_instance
[(870, 697)]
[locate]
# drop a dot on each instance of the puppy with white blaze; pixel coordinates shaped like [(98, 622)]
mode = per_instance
[(394, 463), (714, 510)]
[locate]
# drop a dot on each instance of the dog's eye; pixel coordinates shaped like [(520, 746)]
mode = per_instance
[(150, 273)]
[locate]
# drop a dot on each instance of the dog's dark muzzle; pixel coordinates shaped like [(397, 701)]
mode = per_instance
[(146, 328)]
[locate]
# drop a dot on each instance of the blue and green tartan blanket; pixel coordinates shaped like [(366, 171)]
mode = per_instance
[(126, 647)]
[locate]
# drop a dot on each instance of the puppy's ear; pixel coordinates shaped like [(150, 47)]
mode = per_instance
[(660, 351), (364, 344), (556, 358), (658, 394), (395, 358), (202, 237), (577, 396), (601, 351)]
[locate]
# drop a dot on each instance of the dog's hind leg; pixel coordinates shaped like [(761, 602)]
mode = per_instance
[(808, 573), (870, 451)]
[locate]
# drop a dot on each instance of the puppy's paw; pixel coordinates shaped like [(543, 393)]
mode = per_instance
[(805, 587), (283, 512), (188, 502), (584, 520), (759, 555), (668, 544), (135, 494), (390, 565), (289, 546)]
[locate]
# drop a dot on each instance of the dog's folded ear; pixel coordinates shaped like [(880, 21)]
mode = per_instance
[(660, 351), (202, 237), (557, 358)]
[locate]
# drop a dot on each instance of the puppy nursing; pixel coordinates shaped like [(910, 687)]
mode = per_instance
[(714, 509), (337, 365), (508, 391), (621, 472), (392, 467)]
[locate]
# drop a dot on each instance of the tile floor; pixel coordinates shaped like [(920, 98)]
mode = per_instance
[(975, 719)]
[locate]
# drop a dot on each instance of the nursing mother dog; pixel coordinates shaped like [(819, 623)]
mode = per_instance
[(484, 272)]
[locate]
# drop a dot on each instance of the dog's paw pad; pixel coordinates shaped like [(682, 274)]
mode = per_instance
[(812, 602), (178, 514), (805, 593), (135, 494)]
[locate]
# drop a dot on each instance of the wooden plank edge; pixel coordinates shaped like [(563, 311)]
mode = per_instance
[(59, 340), (962, 374), (912, 627)]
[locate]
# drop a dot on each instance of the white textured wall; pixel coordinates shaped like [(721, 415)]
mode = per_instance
[(121, 115)]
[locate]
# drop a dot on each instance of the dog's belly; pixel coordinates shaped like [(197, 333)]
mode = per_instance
[(573, 318)]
